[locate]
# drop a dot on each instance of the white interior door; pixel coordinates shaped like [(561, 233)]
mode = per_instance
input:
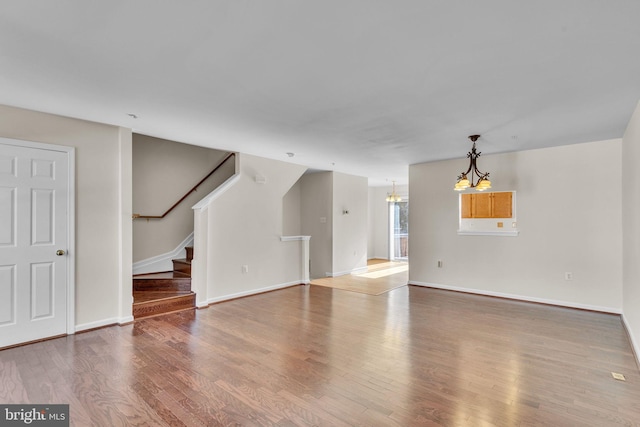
[(34, 194)]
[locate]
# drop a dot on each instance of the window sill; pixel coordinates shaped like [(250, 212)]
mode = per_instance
[(292, 238)]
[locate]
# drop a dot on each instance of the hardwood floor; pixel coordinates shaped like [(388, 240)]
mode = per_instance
[(381, 276), (311, 355)]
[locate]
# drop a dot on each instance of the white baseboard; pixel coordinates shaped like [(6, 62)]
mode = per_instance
[(102, 323), (343, 273), (634, 343), (162, 262), (99, 324), (251, 292), (567, 304), (125, 320)]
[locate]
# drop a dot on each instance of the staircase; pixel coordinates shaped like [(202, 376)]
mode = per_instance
[(166, 292)]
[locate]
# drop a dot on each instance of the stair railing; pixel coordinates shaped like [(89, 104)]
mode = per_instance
[(218, 166)]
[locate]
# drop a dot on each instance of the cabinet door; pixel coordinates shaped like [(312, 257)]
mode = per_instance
[(465, 208), (481, 205), (502, 205)]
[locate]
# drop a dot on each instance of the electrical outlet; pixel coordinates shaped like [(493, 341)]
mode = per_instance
[(439, 263), (568, 275), (245, 269)]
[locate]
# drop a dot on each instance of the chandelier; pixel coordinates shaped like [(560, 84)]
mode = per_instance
[(482, 183), (393, 197)]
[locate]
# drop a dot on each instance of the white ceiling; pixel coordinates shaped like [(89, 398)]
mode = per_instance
[(364, 87)]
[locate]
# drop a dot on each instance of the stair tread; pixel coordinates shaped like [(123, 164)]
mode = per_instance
[(183, 260), (163, 275)]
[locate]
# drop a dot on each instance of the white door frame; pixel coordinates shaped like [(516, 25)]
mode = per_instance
[(391, 232), (71, 220)]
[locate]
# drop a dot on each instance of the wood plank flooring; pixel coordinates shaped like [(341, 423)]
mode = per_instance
[(312, 355), (381, 276)]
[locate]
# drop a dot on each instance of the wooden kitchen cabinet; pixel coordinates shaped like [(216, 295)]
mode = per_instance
[(487, 205)]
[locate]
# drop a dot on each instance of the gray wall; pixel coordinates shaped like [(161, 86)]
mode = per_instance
[(103, 208), (378, 234), (316, 198), (292, 211), (350, 193), (570, 220), (631, 228), (244, 229), (338, 241), (163, 171)]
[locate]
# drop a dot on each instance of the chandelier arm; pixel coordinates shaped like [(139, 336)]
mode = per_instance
[(471, 165), (480, 175)]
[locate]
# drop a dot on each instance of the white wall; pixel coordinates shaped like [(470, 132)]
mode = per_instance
[(338, 241), (378, 235), (350, 193), (292, 211), (569, 216), (316, 204), (631, 229), (244, 228), (103, 208), (163, 171)]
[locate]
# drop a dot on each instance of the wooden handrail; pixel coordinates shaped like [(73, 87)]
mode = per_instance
[(218, 166)]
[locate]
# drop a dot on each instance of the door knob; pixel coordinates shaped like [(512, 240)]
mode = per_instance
[(59, 252)]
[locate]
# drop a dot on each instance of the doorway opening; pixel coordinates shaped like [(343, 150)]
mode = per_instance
[(399, 231)]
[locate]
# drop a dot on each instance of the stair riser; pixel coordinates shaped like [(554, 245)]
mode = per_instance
[(189, 250), (182, 267), (153, 308), (168, 285)]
